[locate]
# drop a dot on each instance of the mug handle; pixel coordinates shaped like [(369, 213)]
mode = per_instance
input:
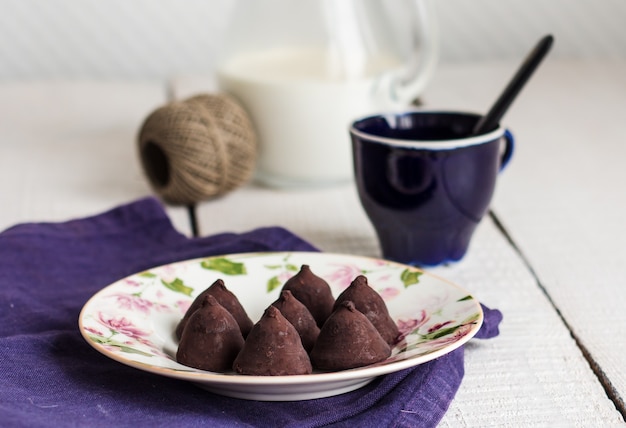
[(508, 149)]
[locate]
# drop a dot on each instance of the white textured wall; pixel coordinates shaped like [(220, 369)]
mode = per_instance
[(108, 38), (161, 38)]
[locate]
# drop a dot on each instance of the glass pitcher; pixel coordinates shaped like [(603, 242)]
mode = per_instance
[(304, 69)]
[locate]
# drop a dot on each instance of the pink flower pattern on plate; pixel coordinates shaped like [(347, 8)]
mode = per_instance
[(132, 283), (409, 325), (344, 275), (462, 331), (122, 325), (284, 276), (439, 326), (183, 305), (134, 302), (388, 293), (94, 331)]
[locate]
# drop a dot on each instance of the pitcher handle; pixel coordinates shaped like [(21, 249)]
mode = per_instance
[(404, 90)]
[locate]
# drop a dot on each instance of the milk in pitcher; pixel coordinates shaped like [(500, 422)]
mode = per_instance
[(301, 103)]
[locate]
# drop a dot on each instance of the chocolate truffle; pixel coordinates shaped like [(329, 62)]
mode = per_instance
[(225, 298), (313, 292), (273, 348), (348, 340), (211, 338), (369, 302), (299, 316)]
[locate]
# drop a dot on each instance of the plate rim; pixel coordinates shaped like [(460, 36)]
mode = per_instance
[(215, 378)]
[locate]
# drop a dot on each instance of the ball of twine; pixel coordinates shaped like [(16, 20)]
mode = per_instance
[(197, 149)]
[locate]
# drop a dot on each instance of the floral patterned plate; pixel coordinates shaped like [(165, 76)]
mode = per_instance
[(133, 320)]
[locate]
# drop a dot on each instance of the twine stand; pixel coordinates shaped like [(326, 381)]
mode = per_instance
[(197, 149)]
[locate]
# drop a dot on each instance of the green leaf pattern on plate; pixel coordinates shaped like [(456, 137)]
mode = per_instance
[(178, 286), (410, 277), (285, 271), (224, 265), (146, 274), (119, 345)]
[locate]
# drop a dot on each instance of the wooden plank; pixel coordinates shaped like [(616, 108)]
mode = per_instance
[(561, 199), (532, 374), (570, 221), (324, 217), (67, 149)]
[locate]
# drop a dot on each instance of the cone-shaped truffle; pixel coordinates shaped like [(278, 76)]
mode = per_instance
[(348, 340), (369, 302), (300, 317), (225, 298), (273, 348), (211, 339), (313, 292)]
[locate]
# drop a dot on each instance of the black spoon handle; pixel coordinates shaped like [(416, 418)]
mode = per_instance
[(528, 67)]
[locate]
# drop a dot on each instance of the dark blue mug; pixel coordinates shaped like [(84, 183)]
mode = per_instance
[(425, 182)]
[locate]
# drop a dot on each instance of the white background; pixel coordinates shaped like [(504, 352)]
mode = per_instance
[(157, 39)]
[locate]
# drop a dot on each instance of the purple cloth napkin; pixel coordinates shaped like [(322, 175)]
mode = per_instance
[(49, 376)]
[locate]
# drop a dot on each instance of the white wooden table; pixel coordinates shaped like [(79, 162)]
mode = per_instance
[(550, 256), (67, 149)]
